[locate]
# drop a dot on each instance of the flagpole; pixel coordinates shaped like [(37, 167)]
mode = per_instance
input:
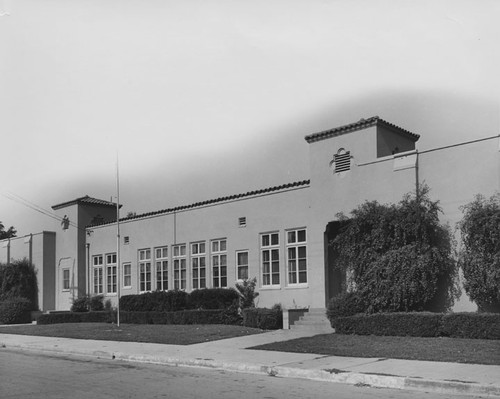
[(118, 282)]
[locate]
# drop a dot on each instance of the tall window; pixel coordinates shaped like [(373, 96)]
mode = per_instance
[(161, 255), (179, 259), (242, 265), (111, 273), (270, 256), (127, 275), (296, 256), (97, 262), (219, 263), (198, 265), (65, 279), (145, 270)]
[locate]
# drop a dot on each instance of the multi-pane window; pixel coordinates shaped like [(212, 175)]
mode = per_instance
[(144, 270), (65, 279), (242, 264), (198, 265), (270, 257), (161, 258), (219, 263), (296, 250), (97, 263), (111, 273), (127, 275), (180, 273)]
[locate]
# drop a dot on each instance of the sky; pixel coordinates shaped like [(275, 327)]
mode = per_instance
[(199, 99)]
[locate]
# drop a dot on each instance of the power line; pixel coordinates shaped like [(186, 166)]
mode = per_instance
[(23, 201)]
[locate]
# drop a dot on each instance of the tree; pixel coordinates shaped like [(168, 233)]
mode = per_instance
[(398, 257), (479, 255), (11, 232), (18, 279)]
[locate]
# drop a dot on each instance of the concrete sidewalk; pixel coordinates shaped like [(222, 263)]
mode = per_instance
[(232, 355)]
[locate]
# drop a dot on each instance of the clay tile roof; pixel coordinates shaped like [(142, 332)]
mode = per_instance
[(86, 200), (361, 124), (213, 201)]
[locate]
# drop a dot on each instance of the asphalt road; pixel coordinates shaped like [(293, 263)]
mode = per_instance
[(26, 374)]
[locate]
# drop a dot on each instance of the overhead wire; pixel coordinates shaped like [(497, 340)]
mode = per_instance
[(23, 201)]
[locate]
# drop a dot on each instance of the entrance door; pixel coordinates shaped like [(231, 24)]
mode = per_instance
[(334, 277)]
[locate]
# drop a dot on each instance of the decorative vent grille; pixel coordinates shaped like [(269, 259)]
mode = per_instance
[(342, 161), (126, 240), (242, 222)]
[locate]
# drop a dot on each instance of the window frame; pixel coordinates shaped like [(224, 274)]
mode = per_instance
[(218, 262), (127, 275), (242, 265), (268, 252), (198, 273), (97, 274), (66, 282), (179, 266), (161, 268), (111, 273), (144, 269), (294, 247)]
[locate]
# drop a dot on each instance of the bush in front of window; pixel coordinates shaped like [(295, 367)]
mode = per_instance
[(213, 298), (88, 303), (246, 292), (15, 310), (265, 319), (158, 301)]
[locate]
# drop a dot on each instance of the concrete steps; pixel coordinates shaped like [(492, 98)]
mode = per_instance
[(315, 320)]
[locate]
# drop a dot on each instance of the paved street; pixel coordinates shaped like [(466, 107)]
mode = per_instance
[(35, 375)]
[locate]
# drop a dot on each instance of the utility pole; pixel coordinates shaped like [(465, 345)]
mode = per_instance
[(118, 281)]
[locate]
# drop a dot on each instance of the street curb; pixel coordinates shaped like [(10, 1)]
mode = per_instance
[(336, 376)]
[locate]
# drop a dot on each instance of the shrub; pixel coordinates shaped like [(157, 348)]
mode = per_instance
[(18, 279), (265, 319), (343, 305), (77, 317), (479, 256), (247, 294), (212, 298), (471, 325), (192, 316), (159, 301), (399, 256), (15, 310), (414, 324), (88, 303)]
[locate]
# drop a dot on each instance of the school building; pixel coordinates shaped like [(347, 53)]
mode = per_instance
[(278, 234)]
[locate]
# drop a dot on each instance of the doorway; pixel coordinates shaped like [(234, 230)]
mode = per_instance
[(335, 278)]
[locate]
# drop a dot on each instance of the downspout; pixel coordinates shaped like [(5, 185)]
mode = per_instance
[(88, 268), (417, 184)]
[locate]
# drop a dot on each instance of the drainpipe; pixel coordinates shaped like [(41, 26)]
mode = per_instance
[(88, 268), (417, 184)]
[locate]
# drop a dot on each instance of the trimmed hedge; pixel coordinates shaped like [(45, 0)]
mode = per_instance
[(414, 324), (265, 319), (471, 325), (15, 310), (422, 324), (344, 305), (88, 303), (157, 301), (213, 298), (77, 317), (207, 316)]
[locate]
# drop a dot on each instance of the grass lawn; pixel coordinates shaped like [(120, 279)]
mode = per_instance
[(154, 333), (457, 350)]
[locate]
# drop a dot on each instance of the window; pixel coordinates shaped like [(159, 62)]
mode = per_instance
[(179, 259), (111, 273), (161, 257), (127, 275), (65, 279), (219, 263), (342, 161), (242, 265), (296, 256), (198, 265), (97, 263), (145, 270), (270, 253)]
